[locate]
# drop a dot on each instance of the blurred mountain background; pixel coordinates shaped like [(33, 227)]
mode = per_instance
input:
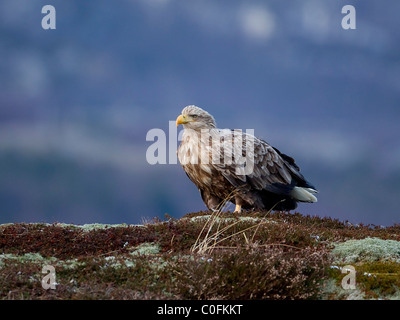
[(77, 102)]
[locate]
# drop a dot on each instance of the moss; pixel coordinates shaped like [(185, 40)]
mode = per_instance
[(380, 278), (374, 280)]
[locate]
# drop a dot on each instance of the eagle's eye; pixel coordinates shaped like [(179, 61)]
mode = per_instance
[(194, 116)]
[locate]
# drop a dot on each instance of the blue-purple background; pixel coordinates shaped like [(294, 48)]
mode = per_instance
[(76, 102)]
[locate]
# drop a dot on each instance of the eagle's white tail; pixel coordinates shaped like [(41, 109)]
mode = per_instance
[(304, 194)]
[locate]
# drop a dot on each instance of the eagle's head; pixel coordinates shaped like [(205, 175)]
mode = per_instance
[(195, 118)]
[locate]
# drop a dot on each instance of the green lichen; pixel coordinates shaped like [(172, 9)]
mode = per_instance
[(368, 249), (25, 258), (228, 219), (395, 295), (70, 264), (146, 249), (332, 289), (93, 226)]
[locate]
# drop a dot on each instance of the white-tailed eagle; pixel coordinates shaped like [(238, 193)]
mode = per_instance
[(237, 166)]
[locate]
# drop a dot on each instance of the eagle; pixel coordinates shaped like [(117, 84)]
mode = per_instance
[(235, 166)]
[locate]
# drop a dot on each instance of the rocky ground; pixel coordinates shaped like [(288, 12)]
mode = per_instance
[(201, 256)]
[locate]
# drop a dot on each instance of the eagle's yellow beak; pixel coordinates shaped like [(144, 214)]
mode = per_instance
[(181, 120)]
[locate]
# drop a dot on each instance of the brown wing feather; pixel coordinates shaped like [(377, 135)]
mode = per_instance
[(272, 170)]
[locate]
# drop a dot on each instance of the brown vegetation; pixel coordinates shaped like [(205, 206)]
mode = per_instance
[(257, 256)]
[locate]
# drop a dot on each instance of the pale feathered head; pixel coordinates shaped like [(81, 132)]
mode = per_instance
[(195, 118)]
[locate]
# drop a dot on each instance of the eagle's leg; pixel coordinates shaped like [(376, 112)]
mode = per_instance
[(238, 203), (238, 208)]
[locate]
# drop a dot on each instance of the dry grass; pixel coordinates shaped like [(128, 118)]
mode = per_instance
[(212, 239)]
